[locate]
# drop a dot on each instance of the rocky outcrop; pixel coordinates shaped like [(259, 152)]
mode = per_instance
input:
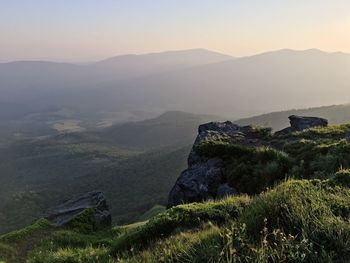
[(203, 178), (69, 210), (299, 123)]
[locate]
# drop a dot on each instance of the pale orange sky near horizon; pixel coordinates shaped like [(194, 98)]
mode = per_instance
[(84, 30)]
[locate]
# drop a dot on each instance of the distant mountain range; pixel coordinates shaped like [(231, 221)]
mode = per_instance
[(136, 87)]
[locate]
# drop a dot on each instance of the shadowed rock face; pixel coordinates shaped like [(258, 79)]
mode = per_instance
[(197, 183), (203, 178), (299, 123), (67, 211)]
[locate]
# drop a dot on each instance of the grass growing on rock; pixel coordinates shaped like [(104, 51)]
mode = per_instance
[(253, 167), (249, 169), (84, 222)]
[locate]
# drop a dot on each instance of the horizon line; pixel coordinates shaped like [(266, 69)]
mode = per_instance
[(91, 61)]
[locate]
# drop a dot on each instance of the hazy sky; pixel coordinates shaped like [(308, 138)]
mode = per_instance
[(81, 30)]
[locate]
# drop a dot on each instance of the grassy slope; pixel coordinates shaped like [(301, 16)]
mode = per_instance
[(298, 221), (295, 220)]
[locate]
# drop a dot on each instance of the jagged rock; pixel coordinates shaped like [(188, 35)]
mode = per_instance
[(299, 123), (68, 210), (203, 177), (225, 190)]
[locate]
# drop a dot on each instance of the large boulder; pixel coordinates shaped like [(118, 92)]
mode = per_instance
[(69, 210), (300, 123), (202, 179)]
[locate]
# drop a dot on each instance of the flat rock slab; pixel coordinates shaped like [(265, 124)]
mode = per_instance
[(300, 123), (63, 214)]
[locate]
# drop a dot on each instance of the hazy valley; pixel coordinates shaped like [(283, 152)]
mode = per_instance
[(53, 97)]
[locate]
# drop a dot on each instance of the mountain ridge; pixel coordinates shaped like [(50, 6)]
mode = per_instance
[(336, 114)]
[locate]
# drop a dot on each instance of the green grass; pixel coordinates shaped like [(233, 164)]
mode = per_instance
[(7, 252), (183, 216), (341, 178), (155, 210), (188, 246), (71, 255), (314, 210), (296, 221), (133, 225), (15, 245), (24, 233), (249, 169), (84, 222)]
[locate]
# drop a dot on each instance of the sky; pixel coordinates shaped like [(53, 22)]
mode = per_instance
[(86, 30)]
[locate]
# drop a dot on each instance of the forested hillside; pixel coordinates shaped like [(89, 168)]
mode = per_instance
[(135, 164)]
